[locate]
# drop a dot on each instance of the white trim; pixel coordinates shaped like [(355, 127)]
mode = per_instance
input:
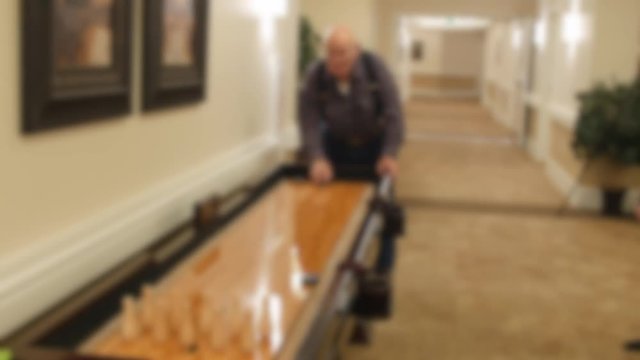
[(560, 178), (534, 149), (533, 100), (583, 198), (503, 118), (564, 114), (43, 274), (505, 86), (290, 138)]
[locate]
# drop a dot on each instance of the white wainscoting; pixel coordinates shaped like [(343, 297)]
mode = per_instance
[(582, 197), (40, 276), (290, 139)]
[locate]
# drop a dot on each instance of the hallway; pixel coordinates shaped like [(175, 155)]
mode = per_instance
[(457, 154), (502, 276)]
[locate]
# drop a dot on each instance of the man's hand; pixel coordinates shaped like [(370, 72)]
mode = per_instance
[(388, 165), (321, 171)]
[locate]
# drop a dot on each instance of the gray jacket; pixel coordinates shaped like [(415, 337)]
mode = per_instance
[(322, 107)]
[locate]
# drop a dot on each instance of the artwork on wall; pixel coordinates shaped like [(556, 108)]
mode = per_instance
[(417, 51), (76, 61), (175, 52)]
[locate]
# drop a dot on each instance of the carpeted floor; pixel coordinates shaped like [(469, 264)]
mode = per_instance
[(442, 117), (478, 279)]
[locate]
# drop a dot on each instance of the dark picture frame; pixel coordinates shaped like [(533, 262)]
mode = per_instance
[(64, 82), (178, 77), (417, 51)]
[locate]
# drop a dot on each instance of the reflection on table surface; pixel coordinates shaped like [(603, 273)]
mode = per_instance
[(240, 295)]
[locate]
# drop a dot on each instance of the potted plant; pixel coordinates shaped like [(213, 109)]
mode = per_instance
[(309, 43), (607, 136)]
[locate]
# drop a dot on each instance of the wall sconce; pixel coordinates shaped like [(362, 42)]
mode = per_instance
[(405, 34), (270, 8), (573, 28), (268, 11), (516, 37), (540, 33)]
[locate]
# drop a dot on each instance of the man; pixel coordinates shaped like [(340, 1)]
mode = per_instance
[(350, 111), (350, 115)]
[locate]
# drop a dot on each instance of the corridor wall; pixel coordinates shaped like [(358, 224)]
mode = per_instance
[(578, 44), (75, 202)]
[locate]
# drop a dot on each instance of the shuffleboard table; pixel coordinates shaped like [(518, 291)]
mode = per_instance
[(273, 276)]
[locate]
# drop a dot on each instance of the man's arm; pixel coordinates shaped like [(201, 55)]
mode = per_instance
[(310, 115), (393, 115)]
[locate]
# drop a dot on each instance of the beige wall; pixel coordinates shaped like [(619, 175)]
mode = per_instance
[(613, 58), (505, 69), (607, 51), (389, 13), (455, 53), (119, 182), (357, 14), (52, 180), (452, 65), (463, 53), (431, 62)]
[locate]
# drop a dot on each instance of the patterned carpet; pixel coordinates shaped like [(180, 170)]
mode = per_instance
[(489, 271)]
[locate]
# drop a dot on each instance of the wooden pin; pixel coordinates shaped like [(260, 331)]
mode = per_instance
[(221, 333), (187, 334), (148, 304), (265, 320), (160, 328), (205, 318), (130, 323), (249, 336)]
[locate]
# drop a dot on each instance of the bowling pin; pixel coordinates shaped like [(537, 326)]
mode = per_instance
[(187, 334), (249, 336), (205, 317), (265, 320), (220, 333), (160, 328), (130, 323), (148, 304)]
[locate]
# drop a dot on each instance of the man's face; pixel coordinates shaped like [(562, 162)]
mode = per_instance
[(341, 59)]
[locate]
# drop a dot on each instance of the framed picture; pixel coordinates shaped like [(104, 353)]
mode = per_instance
[(76, 61), (175, 52), (417, 51)]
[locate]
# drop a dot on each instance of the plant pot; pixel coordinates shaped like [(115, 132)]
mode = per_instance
[(609, 174), (613, 201), (614, 179)]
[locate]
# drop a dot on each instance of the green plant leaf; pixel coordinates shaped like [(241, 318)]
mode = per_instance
[(309, 41), (609, 123)]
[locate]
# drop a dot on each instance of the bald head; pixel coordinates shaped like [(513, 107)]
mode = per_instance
[(343, 51)]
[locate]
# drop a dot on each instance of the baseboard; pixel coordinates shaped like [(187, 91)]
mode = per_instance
[(533, 100), (42, 275), (565, 114), (535, 150), (582, 197)]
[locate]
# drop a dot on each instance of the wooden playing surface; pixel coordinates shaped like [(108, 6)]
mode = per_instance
[(243, 296)]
